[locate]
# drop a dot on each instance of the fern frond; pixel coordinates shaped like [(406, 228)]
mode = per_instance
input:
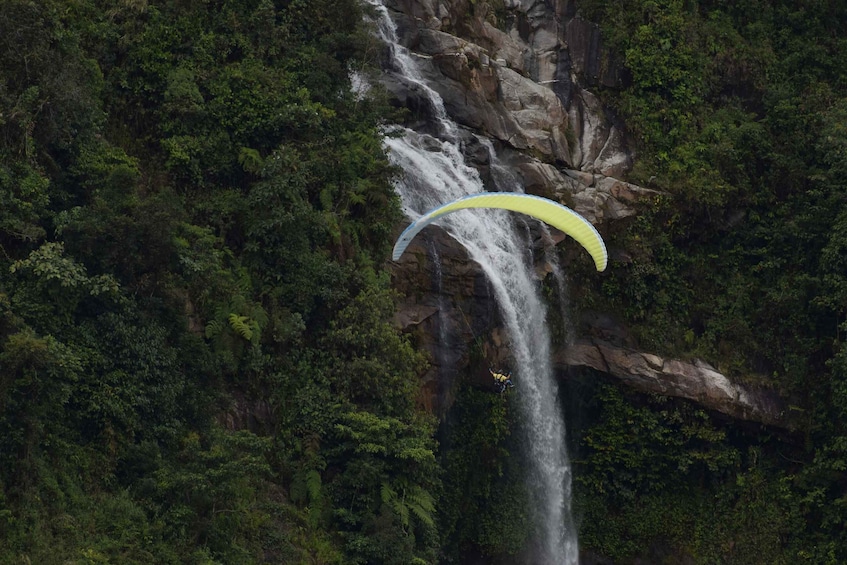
[(402, 511), (213, 329), (258, 313), (386, 493), (314, 485), (238, 303), (241, 325), (422, 506), (399, 506), (327, 196), (356, 198)]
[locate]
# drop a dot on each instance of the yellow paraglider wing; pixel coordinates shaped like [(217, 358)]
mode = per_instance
[(553, 213)]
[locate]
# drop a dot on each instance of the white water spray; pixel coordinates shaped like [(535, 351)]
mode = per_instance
[(435, 173)]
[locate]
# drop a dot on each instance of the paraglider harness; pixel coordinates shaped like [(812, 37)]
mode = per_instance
[(502, 379)]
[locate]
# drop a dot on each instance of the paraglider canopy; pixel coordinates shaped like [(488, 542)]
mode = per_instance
[(553, 213)]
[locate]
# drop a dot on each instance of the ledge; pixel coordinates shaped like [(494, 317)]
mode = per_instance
[(697, 381)]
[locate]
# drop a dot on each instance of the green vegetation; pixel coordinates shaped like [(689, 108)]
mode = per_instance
[(196, 360), (485, 506), (196, 364), (738, 109), (661, 480), (739, 112)]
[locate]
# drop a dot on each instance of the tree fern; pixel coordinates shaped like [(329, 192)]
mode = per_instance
[(416, 501), (390, 498), (242, 325), (420, 502), (314, 486), (214, 329)]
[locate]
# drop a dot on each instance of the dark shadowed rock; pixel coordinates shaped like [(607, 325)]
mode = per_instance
[(447, 306), (583, 40)]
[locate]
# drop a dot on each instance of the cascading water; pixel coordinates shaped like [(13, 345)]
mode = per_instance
[(435, 173), (447, 354), (561, 283)]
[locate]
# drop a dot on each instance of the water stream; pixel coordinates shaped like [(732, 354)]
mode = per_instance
[(435, 173)]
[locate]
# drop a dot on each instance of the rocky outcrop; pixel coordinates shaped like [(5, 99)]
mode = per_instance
[(598, 198), (602, 146), (697, 381), (516, 73)]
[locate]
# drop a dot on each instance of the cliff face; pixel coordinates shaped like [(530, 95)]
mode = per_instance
[(519, 73), (447, 305), (514, 70), (451, 310)]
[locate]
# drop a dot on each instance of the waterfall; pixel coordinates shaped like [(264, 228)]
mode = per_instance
[(447, 354), (561, 283), (435, 173), (405, 68)]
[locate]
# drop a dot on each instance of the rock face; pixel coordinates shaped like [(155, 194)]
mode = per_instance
[(518, 73), (696, 381), (450, 309), (447, 305)]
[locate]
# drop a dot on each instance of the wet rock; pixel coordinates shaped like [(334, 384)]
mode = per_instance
[(517, 84), (447, 307)]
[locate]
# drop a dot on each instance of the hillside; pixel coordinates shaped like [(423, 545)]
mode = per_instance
[(197, 356)]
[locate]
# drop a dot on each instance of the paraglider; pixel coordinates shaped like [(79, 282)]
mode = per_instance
[(502, 379), (553, 213)]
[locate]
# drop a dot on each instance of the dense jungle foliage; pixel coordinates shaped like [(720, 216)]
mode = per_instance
[(196, 361), (196, 364), (739, 112)]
